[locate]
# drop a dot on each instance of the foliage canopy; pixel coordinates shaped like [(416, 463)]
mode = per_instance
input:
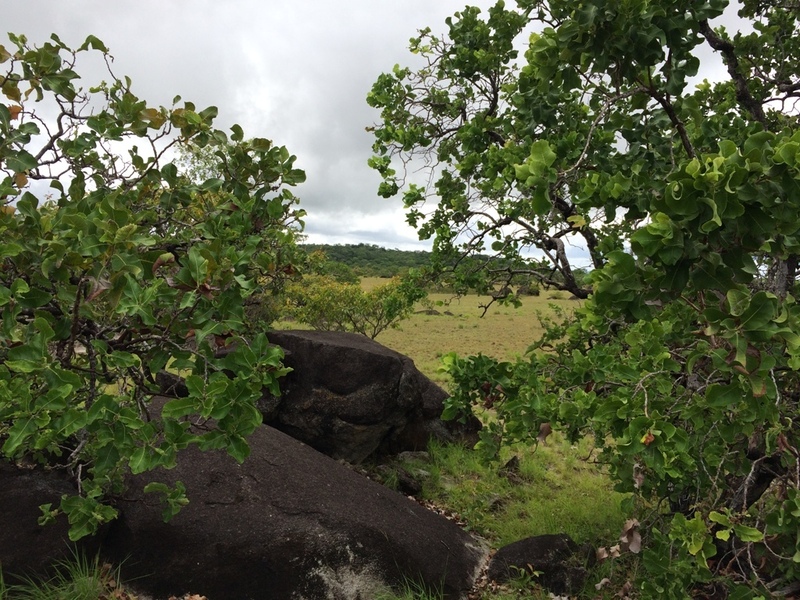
[(328, 303), (115, 265), (553, 125)]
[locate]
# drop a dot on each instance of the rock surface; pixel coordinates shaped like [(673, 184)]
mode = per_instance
[(26, 547), (350, 398), (288, 523), (558, 560)]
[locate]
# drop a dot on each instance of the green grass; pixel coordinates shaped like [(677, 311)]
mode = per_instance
[(504, 332), (556, 489), (411, 590), (77, 578)]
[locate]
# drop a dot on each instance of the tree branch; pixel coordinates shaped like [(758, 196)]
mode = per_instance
[(728, 50)]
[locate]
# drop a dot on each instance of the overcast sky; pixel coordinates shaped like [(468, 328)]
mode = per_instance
[(294, 71)]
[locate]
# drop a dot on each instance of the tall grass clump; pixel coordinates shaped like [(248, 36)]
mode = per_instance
[(77, 578)]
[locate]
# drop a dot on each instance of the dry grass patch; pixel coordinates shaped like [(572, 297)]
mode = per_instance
[(504, 332)]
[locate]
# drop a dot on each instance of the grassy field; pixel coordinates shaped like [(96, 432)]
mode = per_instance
[(504, 332), (557, 489)]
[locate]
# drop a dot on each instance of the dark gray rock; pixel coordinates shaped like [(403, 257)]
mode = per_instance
[(559, 561), (288, 523), (28, 549), (350, 397)]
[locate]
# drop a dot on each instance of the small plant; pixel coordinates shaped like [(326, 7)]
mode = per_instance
[(412, 589), (524, 579), (78, 578)]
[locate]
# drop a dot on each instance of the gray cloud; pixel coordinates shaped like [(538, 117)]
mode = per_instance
[(294, 71)]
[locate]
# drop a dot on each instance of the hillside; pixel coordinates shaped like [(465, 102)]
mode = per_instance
[(369, 260)]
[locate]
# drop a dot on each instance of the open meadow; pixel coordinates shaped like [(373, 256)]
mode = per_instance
[(443, 323)]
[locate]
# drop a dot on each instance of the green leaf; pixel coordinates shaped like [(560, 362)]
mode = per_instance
[(141, 460), (22, 429), (198, 266), (540, 202), (722, 396), (748, 534), (180, 407), (541, 157), (94, 43), (238, 448), (720, 518), (85, 515), (21, 162)]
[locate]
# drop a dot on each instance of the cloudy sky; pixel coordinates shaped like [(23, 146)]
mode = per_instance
[(294, 71)]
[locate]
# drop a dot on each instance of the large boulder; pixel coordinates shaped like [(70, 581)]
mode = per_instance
[(288, 523), (350, 397), (26, 548), (557, 561)]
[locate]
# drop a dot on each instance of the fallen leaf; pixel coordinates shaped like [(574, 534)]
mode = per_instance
[(638, 476), (602, 583), (544, 430), (631, 539)]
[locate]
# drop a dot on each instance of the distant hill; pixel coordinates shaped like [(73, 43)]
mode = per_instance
[(369, 260)]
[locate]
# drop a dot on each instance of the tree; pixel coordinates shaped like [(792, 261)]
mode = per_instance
[(683, 362), (330, 305), (114, 265)]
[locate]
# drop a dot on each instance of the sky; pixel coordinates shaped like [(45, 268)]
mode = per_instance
[(293, 71)]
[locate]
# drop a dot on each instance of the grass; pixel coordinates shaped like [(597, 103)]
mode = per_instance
[(554, 489), (410, 590), (77, 578), (504, 332)]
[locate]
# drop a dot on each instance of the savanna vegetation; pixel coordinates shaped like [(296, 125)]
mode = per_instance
[(369, 260), (543, 126), (576, 133)]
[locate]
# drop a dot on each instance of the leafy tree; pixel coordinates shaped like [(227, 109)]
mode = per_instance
[(318, 264), (684, 359), (330, 305), (368, 260), (114, 266)]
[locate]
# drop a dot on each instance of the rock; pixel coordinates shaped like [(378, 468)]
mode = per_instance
[(414, 456), (350, 398), (560, 562), (28, 549), (404, 482), (287, 523)]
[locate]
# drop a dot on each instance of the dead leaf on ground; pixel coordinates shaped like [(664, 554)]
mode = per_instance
[(544, 430), (631, 538)]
